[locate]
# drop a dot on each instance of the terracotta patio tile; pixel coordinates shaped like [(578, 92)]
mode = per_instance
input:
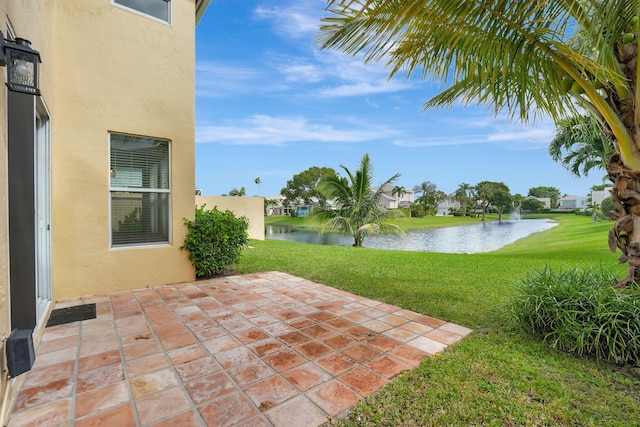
[(317, 331), (121, 416), (361, 353), (377, 326), (163, 404), (250, 372), (210, 387), (269, 392), (53, 413), (146, 364), (210, 333), (187, 354), (383, 343), (373, 313), (356, 317), (443, 336), (306, 376), (197, 368), (287, 314), (57, 344), (340, 323), (284, 360), (251, 335), (186, 419), (141, 350), (191, 317), (321, 316), (300, 322), (400, 334), (388, 366), (276, 329), (299, 411), (427, 345), (163, 322), (39, 376), (294, 338), (333, 398), (338, 341), (429, 321), (136, 339), (171, 331), (336, 363), (238, 325), (178, 341), (313, 349), (256, 421), (219, 344), (49, 392), (135, 328), (227, 410), (359, 333), (407, 314), (410, 355), (235, 356), (364, 381), (101, 398), (456, 329), (392, 319), (55, 357), (153, 382), (95, 378), (197, 325), (416, 328), (265, 347)]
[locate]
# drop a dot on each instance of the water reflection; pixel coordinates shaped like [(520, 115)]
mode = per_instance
[(459, 239)]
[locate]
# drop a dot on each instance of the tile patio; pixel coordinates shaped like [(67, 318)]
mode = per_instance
[(265, 349)]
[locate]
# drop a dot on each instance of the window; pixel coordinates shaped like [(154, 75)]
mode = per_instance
[(140, 190), (160, 9)]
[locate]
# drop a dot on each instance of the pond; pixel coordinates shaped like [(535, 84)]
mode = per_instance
[(481, 237)]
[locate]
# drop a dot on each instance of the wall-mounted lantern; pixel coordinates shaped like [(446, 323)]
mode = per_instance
[(22, 65)]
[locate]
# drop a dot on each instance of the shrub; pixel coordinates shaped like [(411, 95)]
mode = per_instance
[(579, 311), (214, 240), (606, 207)]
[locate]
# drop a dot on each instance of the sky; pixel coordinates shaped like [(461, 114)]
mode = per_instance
[(270, 104)]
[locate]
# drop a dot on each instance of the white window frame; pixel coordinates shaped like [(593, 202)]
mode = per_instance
[(167, 191), (139, 12)]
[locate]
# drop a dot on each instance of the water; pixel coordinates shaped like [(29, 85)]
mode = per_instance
[(459, 239)]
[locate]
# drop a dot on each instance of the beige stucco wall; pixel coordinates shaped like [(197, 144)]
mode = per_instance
[(30, 20), (118, 71), (251, 208)]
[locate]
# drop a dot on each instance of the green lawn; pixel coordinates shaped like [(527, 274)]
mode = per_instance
[(494, 376)]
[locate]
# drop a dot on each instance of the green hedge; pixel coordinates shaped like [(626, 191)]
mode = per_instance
[(214, 240)]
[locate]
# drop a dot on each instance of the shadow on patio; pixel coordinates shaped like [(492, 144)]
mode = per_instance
[(265, 349)]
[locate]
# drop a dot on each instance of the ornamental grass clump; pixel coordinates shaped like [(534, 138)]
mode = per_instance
[(215, 240), (578, 311)]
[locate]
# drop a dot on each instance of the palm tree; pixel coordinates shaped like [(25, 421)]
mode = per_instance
[(580, 145), (238, 193), (462, 194), (258, 181), (595, 206), (357, 211), (398, 191), (520, 57), (484, 191)]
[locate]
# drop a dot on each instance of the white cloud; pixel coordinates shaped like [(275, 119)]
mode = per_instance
[(294, 19), (267, 130)]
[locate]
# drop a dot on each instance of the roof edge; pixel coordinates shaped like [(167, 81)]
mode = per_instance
[(201, 7)]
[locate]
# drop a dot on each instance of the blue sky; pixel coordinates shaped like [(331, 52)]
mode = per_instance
[(270, 104)]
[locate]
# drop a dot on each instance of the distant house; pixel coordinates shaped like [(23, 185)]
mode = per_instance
[(597, 196), (572, 202), (280, 208), (392, 201), (446, 204), (546, 201)]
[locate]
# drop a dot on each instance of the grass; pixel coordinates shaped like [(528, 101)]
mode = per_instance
[(495, 376)]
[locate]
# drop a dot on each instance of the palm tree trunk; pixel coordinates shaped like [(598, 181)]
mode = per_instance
[(625, 234)]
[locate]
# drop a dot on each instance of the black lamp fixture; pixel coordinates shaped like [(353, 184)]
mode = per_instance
[(22, 65)]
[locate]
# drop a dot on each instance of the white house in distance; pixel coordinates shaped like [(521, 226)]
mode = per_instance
[(597, 196), (392, 201), (572, 202)]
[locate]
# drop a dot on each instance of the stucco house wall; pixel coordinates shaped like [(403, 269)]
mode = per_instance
[(251, 208), (104, 69)]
